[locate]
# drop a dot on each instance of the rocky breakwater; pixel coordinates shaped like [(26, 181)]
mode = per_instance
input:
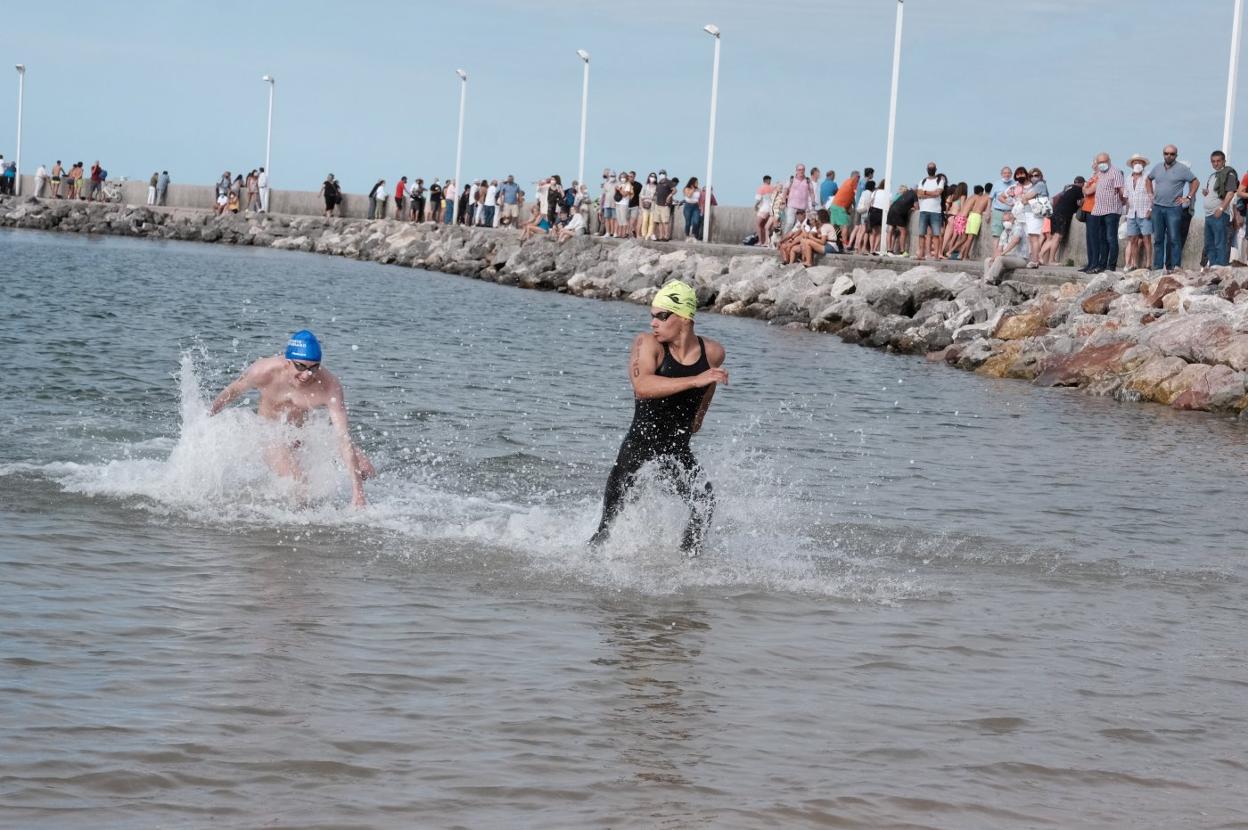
[(920, 309), (1179, 340)]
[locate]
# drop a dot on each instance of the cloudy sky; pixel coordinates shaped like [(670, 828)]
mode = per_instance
[(368, 89)]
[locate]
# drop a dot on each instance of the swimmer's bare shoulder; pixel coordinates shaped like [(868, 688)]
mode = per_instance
[(715, 353), (260, 375)]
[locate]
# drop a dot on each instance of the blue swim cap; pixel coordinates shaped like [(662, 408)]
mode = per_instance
[(304, 347)]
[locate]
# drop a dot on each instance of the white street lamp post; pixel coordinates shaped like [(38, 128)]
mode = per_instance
[(17, 172), (1231, 74), (712, 30), (268, 141), (459, 143), (580, 168), (892, 122)]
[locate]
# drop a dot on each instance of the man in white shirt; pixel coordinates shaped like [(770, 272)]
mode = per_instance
[(41, 180), (263, 183), (491, 199), (931, 213)]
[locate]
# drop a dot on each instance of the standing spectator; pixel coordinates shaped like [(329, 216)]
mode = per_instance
[(880, 203), (1001, 202), (634, 204), (842, 204), (648, 190), (1168, 179), (253, 191), (41, 180), (899, 220), (978, 205), (1107, 189), (434, 210), (1035, 197), (1219, 193), (662, 219), (416, 200), (58, 173), (708, 195), (827, 190), (262, 184), (491, 199), (606, 204), (374, 198), (1064, 207), (151, 188), (76, 180), (5, 181), (554, 196), (763, 199), (623, 192), (693, 197), (162, 188), (931, 219), (97, 181), (1138, 191), (511, 201), (329, 191), (463, 195), (400, 198), (800, 194)]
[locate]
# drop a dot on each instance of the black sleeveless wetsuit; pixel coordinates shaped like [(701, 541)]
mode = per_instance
[(660, 432)]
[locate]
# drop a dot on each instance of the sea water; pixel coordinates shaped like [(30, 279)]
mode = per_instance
[(928, 599)]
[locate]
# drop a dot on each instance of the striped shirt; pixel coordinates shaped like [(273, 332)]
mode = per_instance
[(1108, 200), (1139, 202)]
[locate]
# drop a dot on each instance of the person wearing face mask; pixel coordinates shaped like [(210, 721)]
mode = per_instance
[(1001, 203), (1169, 201), (1106, 187), (648, 191), (1139, 192)]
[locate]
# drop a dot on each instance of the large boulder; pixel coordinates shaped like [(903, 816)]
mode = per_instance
[(1221, 388)]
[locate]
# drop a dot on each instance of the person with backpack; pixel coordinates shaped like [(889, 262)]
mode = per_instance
[(330, 193)]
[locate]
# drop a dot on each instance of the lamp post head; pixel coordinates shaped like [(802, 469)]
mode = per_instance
[(21, 68), (268, 79), (463, 76), (583, 55), (711, 29)]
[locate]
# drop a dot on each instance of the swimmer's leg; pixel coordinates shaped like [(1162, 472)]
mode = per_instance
[(619, 482), (281, 460), (692, 485)]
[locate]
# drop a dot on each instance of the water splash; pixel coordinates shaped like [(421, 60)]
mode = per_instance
[(215, 472)]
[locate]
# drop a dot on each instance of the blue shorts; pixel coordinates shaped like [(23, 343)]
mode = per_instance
[(931, 220), (1139, 227), (608, 213)]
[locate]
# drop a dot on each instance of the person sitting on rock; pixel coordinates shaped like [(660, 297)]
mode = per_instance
[(574, 227), (1011, 251), (538, 223)]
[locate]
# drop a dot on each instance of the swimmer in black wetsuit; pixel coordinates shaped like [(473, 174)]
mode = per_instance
[(674, 373)]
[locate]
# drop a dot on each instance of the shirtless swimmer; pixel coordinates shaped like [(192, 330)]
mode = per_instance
[(290, 386)]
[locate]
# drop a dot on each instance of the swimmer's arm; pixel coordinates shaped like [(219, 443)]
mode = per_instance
[(245, 382), (346, 449), (715, 355), (643, 363)]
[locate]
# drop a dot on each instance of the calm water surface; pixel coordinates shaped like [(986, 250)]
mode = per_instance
[(929, 600)]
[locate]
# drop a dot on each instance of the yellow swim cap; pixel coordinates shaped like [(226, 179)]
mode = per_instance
[(678, 298)]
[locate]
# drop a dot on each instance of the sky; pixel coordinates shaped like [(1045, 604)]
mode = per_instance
[(368, 90)]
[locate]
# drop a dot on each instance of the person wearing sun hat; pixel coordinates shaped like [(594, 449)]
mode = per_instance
[(1138, 192), (291, 385), (674, 373)]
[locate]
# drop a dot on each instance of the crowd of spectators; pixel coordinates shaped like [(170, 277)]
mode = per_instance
[(1149, 209)]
